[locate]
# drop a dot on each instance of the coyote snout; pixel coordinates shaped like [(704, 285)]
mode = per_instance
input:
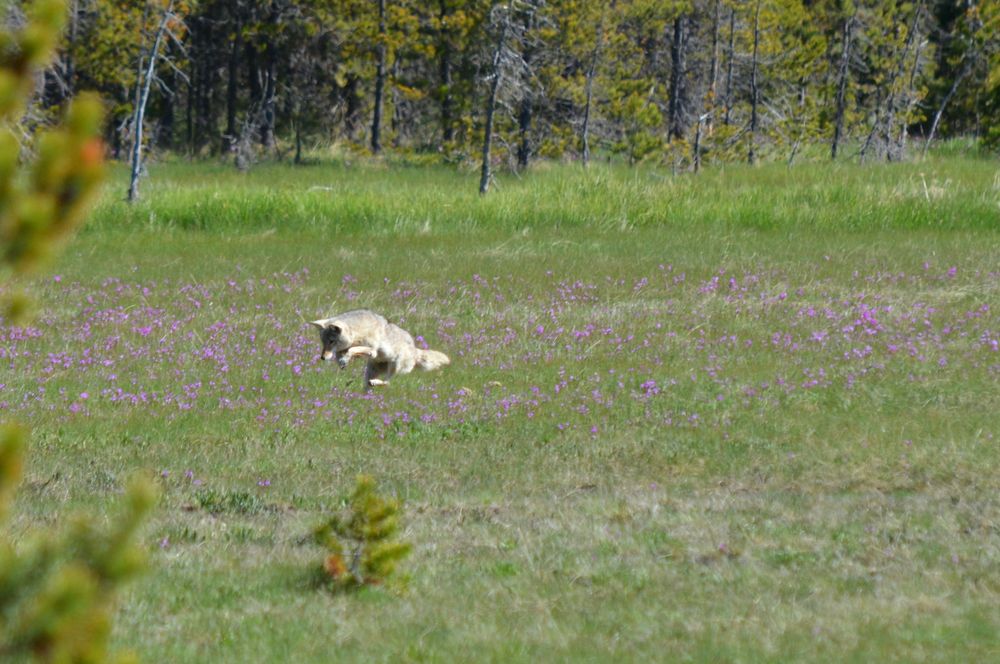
[(389, 348)]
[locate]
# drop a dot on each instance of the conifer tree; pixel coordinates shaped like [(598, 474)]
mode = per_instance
[(57, 590), (361, 545)]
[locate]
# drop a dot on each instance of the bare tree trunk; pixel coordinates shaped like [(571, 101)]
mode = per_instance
[(165, 136), (70, 69), (675, 108), (491, 103), (376, 142), (589, 91), (911, 98), (204, 88), (963, 72), (729, 66), (697, 143), (754, 87), (524, 132), (890, 99), (232, 87), (714, 66), (875, 124), (842, 79), (189, 111), (143, 84), (353, 110), (270, 97), (298, 143), (526, 110)]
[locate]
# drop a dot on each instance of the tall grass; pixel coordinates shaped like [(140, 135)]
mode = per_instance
[(951, 194)]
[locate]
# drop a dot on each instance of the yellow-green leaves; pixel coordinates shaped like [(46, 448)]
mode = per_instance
[(42, 203)]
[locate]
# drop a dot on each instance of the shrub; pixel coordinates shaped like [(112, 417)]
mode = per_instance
[(360, 542)]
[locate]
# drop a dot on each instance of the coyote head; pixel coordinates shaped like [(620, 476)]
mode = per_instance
[(331, 337)]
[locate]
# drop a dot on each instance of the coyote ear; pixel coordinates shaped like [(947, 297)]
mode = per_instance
[(318, 323)]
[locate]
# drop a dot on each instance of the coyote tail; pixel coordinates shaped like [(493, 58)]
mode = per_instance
[(428, 360)]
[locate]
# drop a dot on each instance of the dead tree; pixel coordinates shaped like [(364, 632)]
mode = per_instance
[(962, 73), (146, 74), (595, 58), (589, 95), (843, 77), (508, 71), (714, 66), (754, 87), (882, 123), (730, 60), (969, 59), (678, 51), (381, 54)]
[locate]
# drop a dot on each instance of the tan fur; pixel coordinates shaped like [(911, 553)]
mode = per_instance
[(389, 348)]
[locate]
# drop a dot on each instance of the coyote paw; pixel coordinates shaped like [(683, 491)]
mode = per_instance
[(361, 351)]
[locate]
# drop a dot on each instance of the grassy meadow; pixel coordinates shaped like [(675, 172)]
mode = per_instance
[(750, 415)]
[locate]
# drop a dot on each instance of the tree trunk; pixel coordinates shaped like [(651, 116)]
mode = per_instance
[(675, 108), (353, 106), (890, 99), (729, 66), (754, 87), (189, 111), (376, 142), (70, 69), (232, 87), (201, 38), (270, 97), (298, 143), (713, 66), (589, 88), (526, 110), (491, 103), (842, 80), (524, 132), (963, 72), (911, 98), (875, 123), (165, 137), (697, 145), (142, 94)]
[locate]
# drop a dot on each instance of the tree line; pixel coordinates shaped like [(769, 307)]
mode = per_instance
[(682, 82)]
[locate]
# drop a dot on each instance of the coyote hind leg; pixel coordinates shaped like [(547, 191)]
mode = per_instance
[(376, 374)]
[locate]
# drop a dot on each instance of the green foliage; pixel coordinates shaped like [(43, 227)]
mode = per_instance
[(57, 591), (990, 34), (41, 204), (361, 545)]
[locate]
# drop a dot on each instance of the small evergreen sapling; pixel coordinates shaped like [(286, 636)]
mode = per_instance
[(361, 545)]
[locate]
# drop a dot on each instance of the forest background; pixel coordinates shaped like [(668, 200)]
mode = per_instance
[(672, 82)]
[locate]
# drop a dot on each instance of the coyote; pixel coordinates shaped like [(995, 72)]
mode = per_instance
[(389, 348)]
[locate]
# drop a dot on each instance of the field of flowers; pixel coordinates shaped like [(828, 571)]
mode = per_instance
[(752, 445), (654, 349)]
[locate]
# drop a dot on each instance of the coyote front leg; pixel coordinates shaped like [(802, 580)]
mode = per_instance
[(345, 356)]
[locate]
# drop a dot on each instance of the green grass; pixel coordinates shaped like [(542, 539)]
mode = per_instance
[(952, 194), (733, 512)]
